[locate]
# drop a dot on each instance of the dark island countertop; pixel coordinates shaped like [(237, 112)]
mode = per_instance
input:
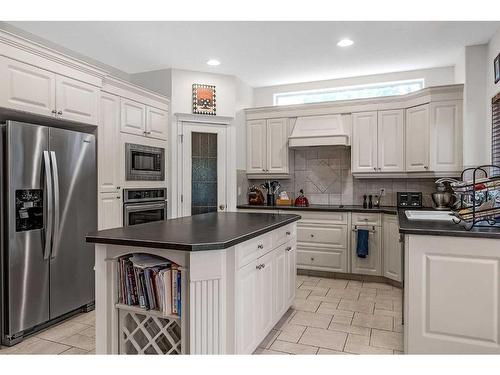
[(440, 228), (326, 208), (194, 233)]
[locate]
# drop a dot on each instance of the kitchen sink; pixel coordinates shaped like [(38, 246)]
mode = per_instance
[(429, 215)]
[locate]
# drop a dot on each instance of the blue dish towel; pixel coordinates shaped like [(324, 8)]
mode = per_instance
[(362, 246)]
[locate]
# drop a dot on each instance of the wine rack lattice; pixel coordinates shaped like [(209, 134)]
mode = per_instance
[(143, 333)]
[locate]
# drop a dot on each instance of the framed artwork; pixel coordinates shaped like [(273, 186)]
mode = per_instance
[(204, 102), (496, 66)]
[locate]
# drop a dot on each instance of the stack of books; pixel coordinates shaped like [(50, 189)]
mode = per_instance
[(150, 282)]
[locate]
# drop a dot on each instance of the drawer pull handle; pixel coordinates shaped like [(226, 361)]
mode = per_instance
[(260, 246), (288, 233), (288, 248), (373, 230)]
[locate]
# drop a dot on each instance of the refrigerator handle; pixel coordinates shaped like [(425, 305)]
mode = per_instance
[(49, 212), (55, 179)]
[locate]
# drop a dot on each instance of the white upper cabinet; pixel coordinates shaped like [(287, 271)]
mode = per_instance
[(27, 88), (133, 117), (364, 142), (156, 123), (417, 138), (108, 143), (76, 101), (256, 146), (391, 141), (31, 89), (446, 136), (277, 145)]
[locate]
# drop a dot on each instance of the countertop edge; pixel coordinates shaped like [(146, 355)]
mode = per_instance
[(384, 210), (190, 247)]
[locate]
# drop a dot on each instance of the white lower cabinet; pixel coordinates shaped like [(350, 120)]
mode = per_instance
[(392, 249), (247, 286), (265, 288), (451, 295), (372, 264), (109, 210)]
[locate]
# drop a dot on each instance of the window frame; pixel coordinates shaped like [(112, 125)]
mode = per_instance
[(277, 96)]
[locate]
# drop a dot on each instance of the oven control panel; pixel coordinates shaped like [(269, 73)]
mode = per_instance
[(141, 195)]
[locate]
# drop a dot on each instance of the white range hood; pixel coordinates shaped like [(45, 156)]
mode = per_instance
[(329, 130)]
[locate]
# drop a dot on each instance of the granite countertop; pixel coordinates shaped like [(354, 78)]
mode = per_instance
[(327, 208), (210, 231), (440, 228)]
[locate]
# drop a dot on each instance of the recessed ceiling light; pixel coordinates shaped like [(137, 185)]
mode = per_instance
[(213, 62), (345, 43)]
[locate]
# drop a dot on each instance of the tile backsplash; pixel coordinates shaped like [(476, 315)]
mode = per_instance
[(324, 173)]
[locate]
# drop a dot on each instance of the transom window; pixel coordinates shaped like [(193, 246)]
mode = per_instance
[(349, 92)]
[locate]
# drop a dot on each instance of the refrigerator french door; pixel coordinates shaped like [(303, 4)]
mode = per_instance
[(50, 196)]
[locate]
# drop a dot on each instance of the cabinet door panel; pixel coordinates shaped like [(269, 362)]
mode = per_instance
[(372, 264), (391, 141), (256, 146), (247, 308), (109, 211), (364, 142), (265, 295), (76, 101), (133, 117), (280, 282), (27, 88), (277, 146), (446, 136), (291, 271), (391, 248), (417, 139), (108, 143), (156, 123)]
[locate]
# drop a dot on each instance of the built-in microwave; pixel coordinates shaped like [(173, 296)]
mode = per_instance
[(144, 163)]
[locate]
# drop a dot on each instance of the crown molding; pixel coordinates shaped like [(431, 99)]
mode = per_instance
[(110, 83), (44, 52)]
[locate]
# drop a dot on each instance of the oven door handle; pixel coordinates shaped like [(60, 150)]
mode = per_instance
[(144, 207)]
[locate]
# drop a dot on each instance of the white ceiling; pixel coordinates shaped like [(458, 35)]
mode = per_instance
[(268, 53)]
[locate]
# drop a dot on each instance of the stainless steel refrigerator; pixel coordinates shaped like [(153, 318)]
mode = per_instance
[(49, 204)]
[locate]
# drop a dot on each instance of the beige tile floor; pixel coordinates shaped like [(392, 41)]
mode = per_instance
[(329, 316), (75, 335), (334, 316)]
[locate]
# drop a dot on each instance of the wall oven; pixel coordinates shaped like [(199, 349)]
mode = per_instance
[(144, 163), (144, 206)]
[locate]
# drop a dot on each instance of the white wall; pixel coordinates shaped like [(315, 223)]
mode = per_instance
[(460, 67), (263, 96), (475, 125), (491, 88), (232, 96)]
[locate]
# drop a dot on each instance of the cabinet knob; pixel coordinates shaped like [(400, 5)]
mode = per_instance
[(374, 168), (312, 235), (258, 267), (118, 187), (59, 112), (312, 259), (426, 167), (118, 197), (263, 265), (54, 111), (288, 233), (260, 246), (288, 248)]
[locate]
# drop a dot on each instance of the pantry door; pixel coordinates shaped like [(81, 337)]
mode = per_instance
[(204, 168)]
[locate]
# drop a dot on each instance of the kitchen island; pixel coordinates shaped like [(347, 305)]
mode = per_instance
[(238, 279), (452, 288)]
